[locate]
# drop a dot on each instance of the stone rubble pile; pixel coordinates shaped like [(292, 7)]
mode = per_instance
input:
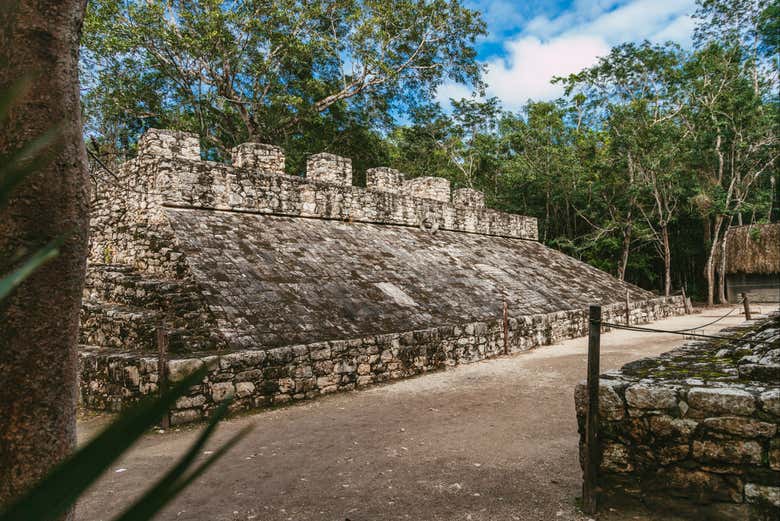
[(696, 429)]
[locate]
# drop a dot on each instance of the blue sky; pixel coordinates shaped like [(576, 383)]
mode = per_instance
[(530, 42)]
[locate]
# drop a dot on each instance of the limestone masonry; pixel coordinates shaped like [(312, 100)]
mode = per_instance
[(696, 430), (289, 287)]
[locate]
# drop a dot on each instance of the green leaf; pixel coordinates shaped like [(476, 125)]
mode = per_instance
[(57, 492), (16, 277), (174, 481), (156, 493)]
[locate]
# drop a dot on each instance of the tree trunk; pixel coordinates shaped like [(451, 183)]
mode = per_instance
[(709, 269), (39, 320), (625, 251), (667, 260), (722, 267)]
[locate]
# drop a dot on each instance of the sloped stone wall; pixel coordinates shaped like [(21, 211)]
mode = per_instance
[(257, 378), (696, 430)]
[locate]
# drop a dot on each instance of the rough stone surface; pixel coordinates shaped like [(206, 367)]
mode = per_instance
[(169, 144), (259, 156), (695, 430), (436, 188), (329, 168), (384, 179), (739, 426), (280, 280), (651, 397), (468, 198), (722, 401), (762, 494), (770, 401)]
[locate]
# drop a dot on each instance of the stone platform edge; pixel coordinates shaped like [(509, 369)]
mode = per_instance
[(110, 381)]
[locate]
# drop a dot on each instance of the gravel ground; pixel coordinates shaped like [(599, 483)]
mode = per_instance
[(495, 440)]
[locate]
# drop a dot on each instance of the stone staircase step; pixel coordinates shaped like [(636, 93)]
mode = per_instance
[(123, 285)]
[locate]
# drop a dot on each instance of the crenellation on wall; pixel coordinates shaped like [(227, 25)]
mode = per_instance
[(258, 156), (169, 173), (170, 144), (329, 168), (435, 188), (468, 198), (384, 179)]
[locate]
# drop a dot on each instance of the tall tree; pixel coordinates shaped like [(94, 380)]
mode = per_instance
[(261, 70), (635, 94), (734, 142), (733, 127), (39, 320)]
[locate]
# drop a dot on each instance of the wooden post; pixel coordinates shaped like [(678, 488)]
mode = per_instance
[(628, 309), (746, 303), (162, 369), (506, 330), (592, 448), (685, 302)]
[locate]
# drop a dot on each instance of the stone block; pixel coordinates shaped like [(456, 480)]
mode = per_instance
[(384, 179), (169, 144), (178, 370), (132, 376), (259, 156), (436, 188), (740, 426), (468, 198), (186, 416), (244, 389), (641, 396), (699, 485), (755, 493), (774, 454), (222, 391), (329, 168), (190, 402), (616, 458), (672, 453), (718, 400), (667, 427), (770, 401), (611, 407), (736, 452)]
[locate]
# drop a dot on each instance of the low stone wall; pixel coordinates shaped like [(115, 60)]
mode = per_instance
[(696, 430), (256, 378)]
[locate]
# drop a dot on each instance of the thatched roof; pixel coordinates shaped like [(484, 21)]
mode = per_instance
[(753, 249)]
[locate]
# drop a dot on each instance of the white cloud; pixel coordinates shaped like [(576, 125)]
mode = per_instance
[(575, 39), (533, 63), (635, 20), (680, 31)]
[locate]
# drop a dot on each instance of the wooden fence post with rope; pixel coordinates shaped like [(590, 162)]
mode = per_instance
[(592, 445)]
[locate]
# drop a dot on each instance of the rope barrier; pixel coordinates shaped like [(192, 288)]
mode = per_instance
[(696, 335), (709, 323)]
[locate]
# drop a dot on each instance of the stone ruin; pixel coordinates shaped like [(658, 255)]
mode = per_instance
[(288, 287), (696, 430)]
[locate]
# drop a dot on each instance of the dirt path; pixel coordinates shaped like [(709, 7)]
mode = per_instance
[(495, 440)]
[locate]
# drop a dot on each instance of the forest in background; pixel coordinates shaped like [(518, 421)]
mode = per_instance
[(639, 169)]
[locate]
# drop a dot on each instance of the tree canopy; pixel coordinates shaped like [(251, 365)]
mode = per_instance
[(271, 71)]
